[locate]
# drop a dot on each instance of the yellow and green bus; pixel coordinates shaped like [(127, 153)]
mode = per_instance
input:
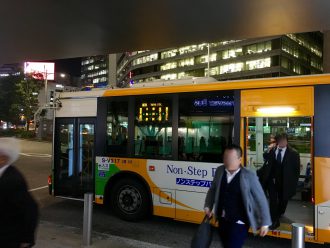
[(154, 148)]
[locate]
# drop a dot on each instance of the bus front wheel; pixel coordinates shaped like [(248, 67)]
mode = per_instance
[(130, 200)]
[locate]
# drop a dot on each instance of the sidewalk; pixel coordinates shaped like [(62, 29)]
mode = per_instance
[(56, 236)]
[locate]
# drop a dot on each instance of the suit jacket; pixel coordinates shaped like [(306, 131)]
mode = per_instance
[(254, 199), (18, 210), (291, 172), (264, 173)]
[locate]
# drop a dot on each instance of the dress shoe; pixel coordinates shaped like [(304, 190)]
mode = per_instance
[(275, 225)]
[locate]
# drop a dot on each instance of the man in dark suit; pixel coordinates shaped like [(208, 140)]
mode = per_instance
[(18, 210), (237, 201), (285, 170)]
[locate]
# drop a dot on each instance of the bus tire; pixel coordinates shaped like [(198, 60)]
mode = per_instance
[(130, 200)]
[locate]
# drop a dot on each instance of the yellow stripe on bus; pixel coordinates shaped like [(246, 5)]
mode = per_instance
[(225, 85)]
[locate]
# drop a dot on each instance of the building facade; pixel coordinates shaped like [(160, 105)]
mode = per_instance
[(94, 70), (286, 55), (10, 69)]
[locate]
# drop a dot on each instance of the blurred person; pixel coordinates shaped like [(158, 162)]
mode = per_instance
[(18, 210), (272, 144), (284, 176), (264, 172), (237, 201)]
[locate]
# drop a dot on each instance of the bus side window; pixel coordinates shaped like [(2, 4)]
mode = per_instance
[(205, 126), (153, 127), (117, 128)]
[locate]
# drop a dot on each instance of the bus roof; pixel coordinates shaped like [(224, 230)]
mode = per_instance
[(82, 94), (209, 86)]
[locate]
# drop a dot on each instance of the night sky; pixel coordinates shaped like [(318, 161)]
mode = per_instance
[(70, 66)]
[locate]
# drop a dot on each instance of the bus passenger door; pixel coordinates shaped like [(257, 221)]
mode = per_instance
[(74, 156), (260, 137)]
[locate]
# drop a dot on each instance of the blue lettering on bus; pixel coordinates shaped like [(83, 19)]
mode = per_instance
[(193, 182)]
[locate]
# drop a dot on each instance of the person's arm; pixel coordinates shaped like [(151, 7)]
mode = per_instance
[(209, 200), (262, 204), (297, 163)]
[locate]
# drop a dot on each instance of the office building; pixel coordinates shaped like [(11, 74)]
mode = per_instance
[(286, 55)]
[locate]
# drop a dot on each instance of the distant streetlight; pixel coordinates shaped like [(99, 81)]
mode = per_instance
[(62, 75)]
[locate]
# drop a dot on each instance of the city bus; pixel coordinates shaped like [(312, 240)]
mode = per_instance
[(154, 148)]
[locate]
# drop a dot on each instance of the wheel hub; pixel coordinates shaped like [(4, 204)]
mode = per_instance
[(129, 199)]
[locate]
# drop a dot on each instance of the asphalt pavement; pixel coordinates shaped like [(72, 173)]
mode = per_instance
[(61, 219)]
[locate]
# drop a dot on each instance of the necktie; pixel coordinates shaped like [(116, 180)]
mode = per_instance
[(279, 156)]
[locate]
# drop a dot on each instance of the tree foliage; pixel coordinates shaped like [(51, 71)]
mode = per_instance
[(18, 98), (8, 97)]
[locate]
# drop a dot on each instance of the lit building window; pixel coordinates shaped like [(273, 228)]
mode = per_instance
[(88, 61), (99, 80), (186, 62), (213, 71), (296, 53), (222, 43), (202, 46), (232, 53), (168, 66), (145, 59), (150, 79), (136, 52), (205, 58), (169, 54), (291, 49), (143, 51), (181, 75), (314, 49), (315, 63), (213, 57), (169, 76), (284, 63), (187, 49), (102, 72), (259, 47), (233, 67), (257, 64), (297, 69)]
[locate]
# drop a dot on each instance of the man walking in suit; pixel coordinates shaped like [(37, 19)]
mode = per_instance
[(237, 201), (18, 210), (285, 170)]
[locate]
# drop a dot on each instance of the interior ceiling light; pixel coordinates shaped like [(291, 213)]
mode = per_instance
[(276, 110)]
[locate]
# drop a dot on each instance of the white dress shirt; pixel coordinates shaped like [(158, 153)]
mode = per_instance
[(230, 176), (282, 152), (3, 169)]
